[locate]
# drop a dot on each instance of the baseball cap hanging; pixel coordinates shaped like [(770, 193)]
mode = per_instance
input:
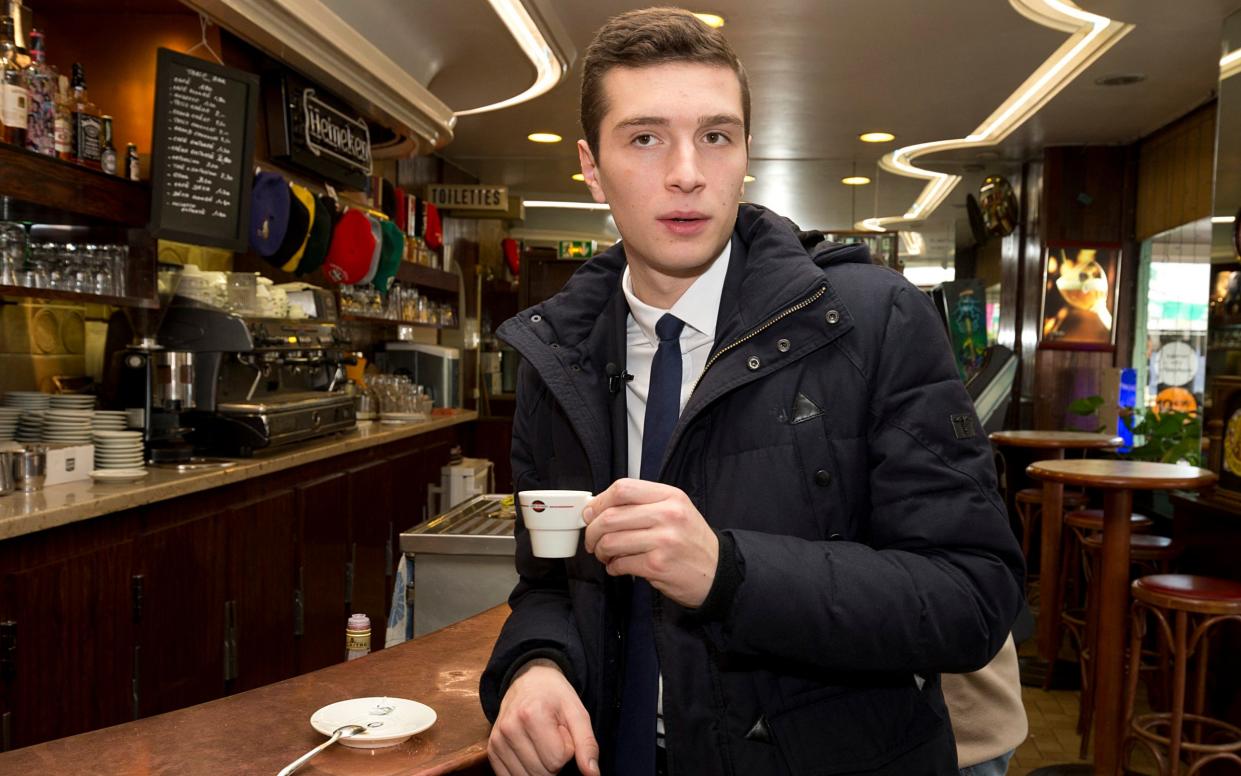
[(320, 236), (390, 255), (351, 250), (303, 197), (377, 233), (269, 212), (294, 234)]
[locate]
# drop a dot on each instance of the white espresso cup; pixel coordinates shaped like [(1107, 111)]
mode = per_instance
[(554, 520)]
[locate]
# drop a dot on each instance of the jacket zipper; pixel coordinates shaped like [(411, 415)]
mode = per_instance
[(759, 330)]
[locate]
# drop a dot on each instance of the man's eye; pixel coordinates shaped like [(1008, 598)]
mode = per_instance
[(716, 138), (644, 140)]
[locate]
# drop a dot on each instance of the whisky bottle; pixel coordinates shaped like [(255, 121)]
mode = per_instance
[(41, 114), (64, 120), (86, 126), (14, 98), (107, 152)]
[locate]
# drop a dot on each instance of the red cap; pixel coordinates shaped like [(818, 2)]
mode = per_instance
[(353, 245), (434, 234)]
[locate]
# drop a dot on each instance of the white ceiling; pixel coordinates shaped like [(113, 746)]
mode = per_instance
[(820, 73)]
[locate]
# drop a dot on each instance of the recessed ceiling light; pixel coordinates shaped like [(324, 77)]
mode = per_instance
[(544, 137), (855, 180), (711, 19), (577, 176), (748, 179), (876, 137)]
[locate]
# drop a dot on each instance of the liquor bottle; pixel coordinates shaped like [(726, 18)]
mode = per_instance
[(107, 152), (41, 81), (133, 169), (13, 95), (64, 120), (85, 124)]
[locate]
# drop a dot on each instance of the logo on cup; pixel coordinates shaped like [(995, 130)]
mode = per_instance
[(538, 506)]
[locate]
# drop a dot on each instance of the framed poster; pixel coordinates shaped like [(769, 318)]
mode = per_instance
[(1081, 284), (1224, 432)]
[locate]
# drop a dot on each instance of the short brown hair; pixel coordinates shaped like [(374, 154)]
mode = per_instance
[(651, 36)]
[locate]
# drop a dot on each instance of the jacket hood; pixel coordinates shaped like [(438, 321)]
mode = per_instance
[(763, 242)]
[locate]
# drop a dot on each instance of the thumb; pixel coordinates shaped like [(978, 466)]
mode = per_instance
[(585, 747)]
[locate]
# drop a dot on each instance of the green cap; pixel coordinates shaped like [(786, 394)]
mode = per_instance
[(320, 236), (390, 255)]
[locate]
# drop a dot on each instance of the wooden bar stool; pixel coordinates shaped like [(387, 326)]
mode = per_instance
[(1148, 554), (1030, 510), (1197, 605), (1084, 523)]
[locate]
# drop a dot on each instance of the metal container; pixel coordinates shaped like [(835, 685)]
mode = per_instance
[(463, 562), (174, 380), (29, 468), (7, 484)]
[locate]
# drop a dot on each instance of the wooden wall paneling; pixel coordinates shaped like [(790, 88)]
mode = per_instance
[(1080, 185), (370, 519), (323, 510), (1176, 169), (262, 556), (74, 634), (1030, 298), (1062, 376), (1125, 318)]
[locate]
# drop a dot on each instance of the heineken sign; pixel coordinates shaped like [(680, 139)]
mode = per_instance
[(310, 129), (459, 197), (330, 131)]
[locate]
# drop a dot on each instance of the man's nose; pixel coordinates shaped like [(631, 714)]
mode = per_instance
[(685, 168)]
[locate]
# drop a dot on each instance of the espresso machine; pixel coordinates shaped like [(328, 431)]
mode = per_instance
[(218, 383)]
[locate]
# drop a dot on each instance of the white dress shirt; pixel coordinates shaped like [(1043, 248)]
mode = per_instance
[(698, 307)]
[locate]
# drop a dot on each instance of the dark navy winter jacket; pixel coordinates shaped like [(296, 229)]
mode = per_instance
[(831, 445)]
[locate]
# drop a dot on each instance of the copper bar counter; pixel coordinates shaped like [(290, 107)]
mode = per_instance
[(261, 731)]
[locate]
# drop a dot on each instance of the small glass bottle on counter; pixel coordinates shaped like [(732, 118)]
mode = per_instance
[(133, 168), (357, 637)]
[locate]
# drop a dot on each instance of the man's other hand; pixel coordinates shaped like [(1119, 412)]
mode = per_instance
[(652, 530), (541, 726)]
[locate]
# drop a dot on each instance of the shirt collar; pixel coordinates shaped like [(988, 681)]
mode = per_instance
[(698, 307)]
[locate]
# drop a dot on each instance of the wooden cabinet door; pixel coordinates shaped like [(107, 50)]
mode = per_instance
[(262, 552), (370, 521), (181, 634), (323, 512), (69, 645)]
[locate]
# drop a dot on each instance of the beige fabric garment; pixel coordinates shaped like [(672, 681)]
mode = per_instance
[(988, 718)]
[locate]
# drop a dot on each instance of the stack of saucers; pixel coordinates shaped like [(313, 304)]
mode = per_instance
[(30, 426), (118, 450), (67, 427), (9, 417), (27, 400), (71, 401), (109, 420)]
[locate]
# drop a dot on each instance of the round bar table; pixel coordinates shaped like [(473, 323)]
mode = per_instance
[(1053, 444), (1117, 480)]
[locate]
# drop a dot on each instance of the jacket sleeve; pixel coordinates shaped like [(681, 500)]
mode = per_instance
[(541, 624), (937, 584)]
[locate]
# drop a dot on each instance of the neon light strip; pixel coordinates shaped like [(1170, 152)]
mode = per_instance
[(549, 69), (565, 205), (1090, 37)]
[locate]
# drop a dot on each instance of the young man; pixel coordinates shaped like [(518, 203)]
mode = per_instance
[(797, 526)]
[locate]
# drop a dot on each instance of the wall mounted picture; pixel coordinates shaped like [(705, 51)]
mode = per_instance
[(1080, 286)]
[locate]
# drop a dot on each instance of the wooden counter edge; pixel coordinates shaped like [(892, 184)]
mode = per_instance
[(77, 509), (209, 737)]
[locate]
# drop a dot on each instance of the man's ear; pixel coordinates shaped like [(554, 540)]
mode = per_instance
[(590, 171)]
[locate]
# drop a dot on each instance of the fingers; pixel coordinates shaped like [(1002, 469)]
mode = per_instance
[(627, 491), (520, 754), (585, 747), (629, 517)]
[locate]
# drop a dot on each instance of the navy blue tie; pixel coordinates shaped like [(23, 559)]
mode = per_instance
[(635, 754)]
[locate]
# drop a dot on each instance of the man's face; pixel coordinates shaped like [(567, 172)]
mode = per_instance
[(671, 163)]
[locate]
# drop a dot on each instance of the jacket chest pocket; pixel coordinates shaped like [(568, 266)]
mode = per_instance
[(823, 477)]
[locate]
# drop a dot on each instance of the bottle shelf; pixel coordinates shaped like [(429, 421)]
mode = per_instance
[(35, 187)]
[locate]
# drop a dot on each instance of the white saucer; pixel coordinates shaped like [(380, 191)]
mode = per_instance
[(389, 721), (119, 475)]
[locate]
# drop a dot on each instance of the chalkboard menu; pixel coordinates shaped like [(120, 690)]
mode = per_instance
[(202, 151)]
